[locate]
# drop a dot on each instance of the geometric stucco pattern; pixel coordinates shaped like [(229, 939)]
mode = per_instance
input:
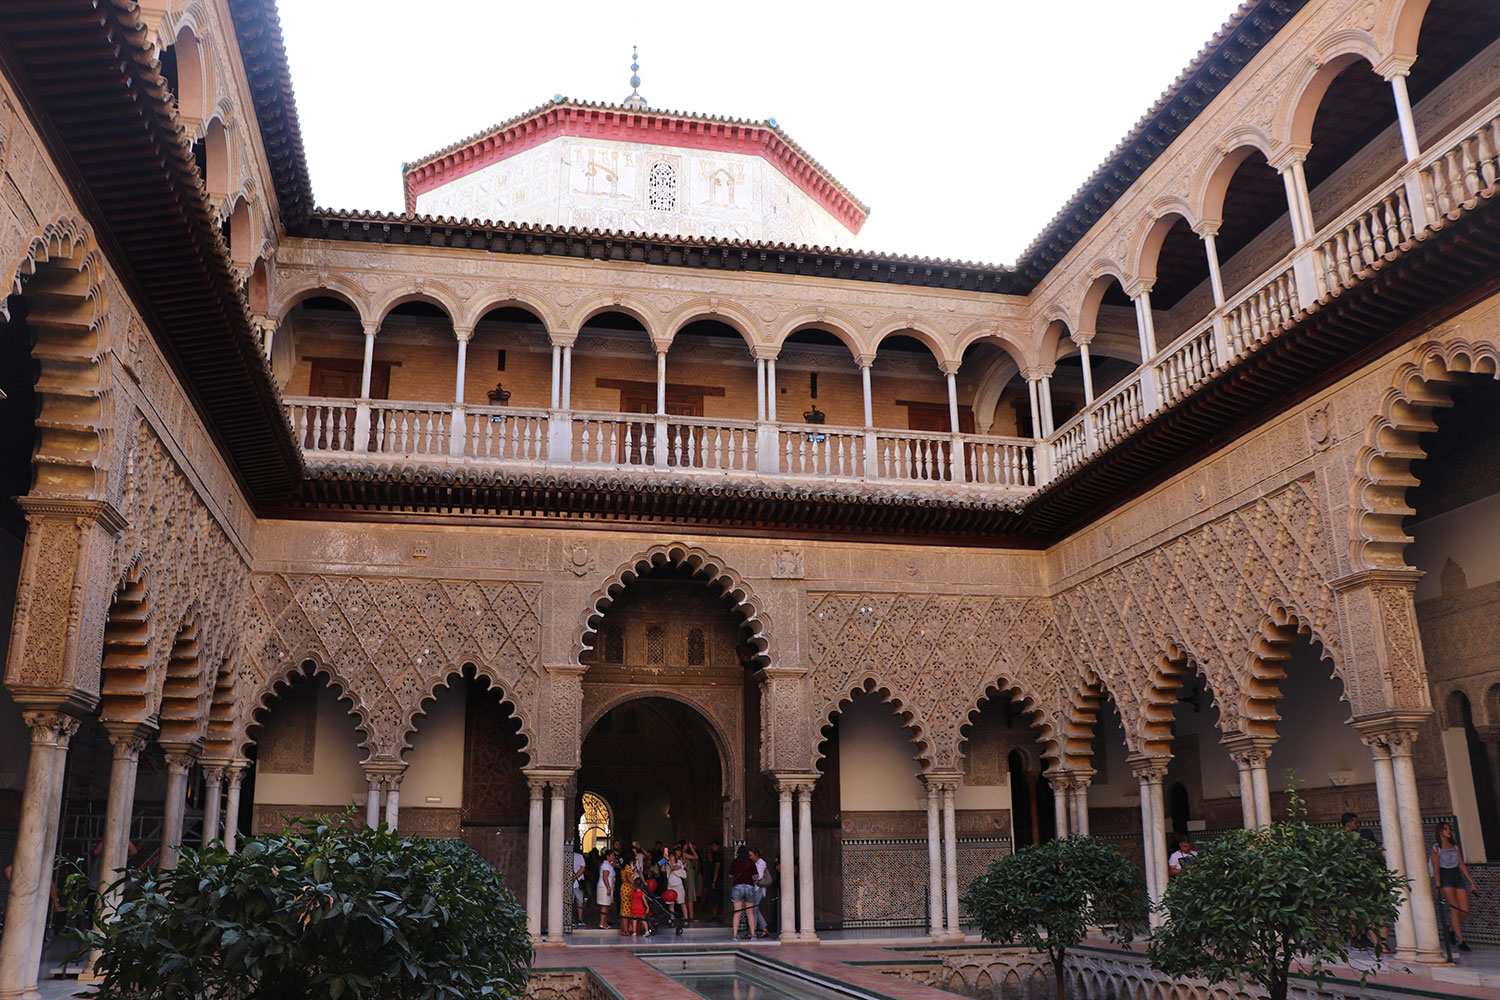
[(389, 643), (1219, 597), (933, 655)]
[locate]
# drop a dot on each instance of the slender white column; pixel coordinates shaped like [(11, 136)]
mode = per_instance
[(1390, 840), (534, 861), (1304, 200), (760, 389), (29, 902), (127, 743), (372, 804), (1262, 786), (393, 801), (364, 379), (1409, 143), (1081, 804), (864, 380), (556, 376), (1211, 251), (213, 792), (1247, 792), (661, 382), (1145, 325), (1088, 372), (950, 858), (1293, 206), (1150, 771), (788, 851), (1044, 396), (952, 378), (1409, 809), (805, 869), (1060, 783), (463, 364), (567, 377), (771, 389), (935, 923), (1036, 408), (179, 763), (558, 793), (235, 774)]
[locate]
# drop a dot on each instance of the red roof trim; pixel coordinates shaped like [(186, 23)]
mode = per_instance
[(621, 126)]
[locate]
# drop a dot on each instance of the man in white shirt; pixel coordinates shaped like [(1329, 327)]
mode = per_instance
[(760, 892), (1182, 857), (580, 869)]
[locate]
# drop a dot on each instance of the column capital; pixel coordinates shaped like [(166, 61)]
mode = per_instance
[(1406, 577), (1140, 288), (181, 759), (384, 771), (1207, 227), (129, 737), (1289, 157), (213, 772), (942, 781), (1394, 65), (561, 338), (1148, 767), (1390, 733), (371, 327), (1249, 750), (234, 773), (864, 361), (565, 669), (50, 727), (554, 777), (1082, 337), (949, 367), (462, 333), (765, 352)]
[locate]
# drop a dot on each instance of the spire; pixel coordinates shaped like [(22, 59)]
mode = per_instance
[(635, 100)]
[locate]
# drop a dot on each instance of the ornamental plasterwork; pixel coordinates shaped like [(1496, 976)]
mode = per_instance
[(389, 643)]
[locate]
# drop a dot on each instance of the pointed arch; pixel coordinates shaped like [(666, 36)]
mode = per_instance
[(710, 568), (1279, 629), (1378, 505), (182, 717), (273, 687)]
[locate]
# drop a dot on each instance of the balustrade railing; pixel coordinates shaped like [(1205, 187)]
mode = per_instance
[(614, 439), (820, 450), (505, 434), (1187, 363), (1342, 253), (1461, 169), (701, 443), (1070, 445), (991, 461), (409, 428), (1118, 412), (1253, 316), (321, 424), (913, 455)]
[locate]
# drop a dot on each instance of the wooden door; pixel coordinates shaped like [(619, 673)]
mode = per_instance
[(639, 446), (934, 418), (337, 378)]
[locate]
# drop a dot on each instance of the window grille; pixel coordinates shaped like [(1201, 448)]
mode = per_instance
[(661, 188)]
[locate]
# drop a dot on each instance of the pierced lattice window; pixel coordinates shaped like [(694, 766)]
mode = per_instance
[(656, 644), (661, 188), (614, 645), (696, 648)]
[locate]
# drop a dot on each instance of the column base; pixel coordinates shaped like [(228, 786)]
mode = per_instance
[(806, 937), (554, 939), (946, 935), (788, 937)]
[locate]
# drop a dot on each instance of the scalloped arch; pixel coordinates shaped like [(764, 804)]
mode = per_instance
[(443, 681), (1279, 628), (869, 683), (1378, 507), (260, 700), (713, 569), (1042, 719)]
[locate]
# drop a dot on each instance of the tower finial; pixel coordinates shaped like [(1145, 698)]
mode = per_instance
[(635, 100)]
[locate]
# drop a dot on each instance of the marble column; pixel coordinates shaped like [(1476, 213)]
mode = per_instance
[(29, 902), (213, 793), (1210, 236), (1088, 372), (785, 790), (235, 775), (760, 389), (950, 858), (558, 791), (1247, 791), (1150, 772), (661, 382), (556, 376), (805, 930), (1032, 380), (1080, 797), (127, 740), (1061, 783), (1390, 839), (1409, 143), (771, 389), (864, 382), (534, 861), (462, 337), (935, 925), (369, 362), (372, 803), (952, 379), (393, 801), (567, 377), (179, 765), (1250, 755), (1413, 846)]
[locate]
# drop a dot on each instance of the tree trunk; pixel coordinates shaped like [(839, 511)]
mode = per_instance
[(1057, 973), (1276, 988)]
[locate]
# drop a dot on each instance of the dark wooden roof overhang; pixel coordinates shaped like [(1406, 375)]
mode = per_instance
[(89, 81), (613, 500), (257, 27), (670, 251)]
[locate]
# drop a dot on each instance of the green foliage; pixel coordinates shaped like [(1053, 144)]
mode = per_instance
[(1046, 897), (1254, 901), (316, 912)]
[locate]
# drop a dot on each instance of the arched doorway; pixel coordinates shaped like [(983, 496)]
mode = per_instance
[(655, 766)]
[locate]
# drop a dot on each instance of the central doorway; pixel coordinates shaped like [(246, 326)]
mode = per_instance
[(656, 766)]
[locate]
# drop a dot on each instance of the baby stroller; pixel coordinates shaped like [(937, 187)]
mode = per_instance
[(659, 908)]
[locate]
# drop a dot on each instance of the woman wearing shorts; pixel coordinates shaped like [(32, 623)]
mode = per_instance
[(1454, 881)]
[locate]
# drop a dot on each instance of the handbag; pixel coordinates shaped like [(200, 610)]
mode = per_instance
[(764, 881)]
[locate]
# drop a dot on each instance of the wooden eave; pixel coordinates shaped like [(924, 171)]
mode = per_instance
[(90, 83)]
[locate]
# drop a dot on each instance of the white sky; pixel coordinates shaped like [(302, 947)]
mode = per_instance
[(964, 126)]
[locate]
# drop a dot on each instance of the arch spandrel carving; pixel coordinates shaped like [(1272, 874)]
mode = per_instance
[(706, 566), (391, 641)]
